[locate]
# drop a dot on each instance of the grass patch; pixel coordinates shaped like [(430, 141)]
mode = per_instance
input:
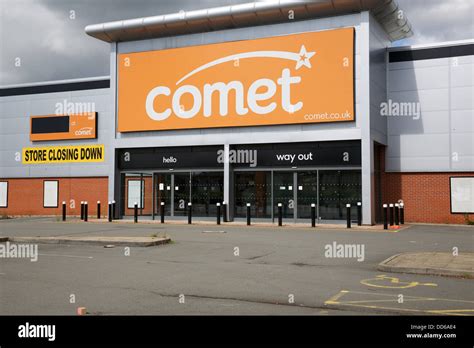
[(159, 235), (468, 221)]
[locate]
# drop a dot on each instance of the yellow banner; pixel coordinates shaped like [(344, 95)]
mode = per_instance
[(63, 154)]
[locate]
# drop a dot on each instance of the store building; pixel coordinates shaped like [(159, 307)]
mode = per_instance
[(294, 102)]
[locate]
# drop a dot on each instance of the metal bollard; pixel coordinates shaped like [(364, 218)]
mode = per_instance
[(98, 210), (64, 211), (110, 211), (113, 210), (86, 211), (280, 214), (248, 214), (348, 213), (224, 211), (162, 212), (135, 212), (82, 210), (391, 214), (313, 215), (402, 213), (359, 213), (218, 206), (190, 213), (385, 216), (397, 214)]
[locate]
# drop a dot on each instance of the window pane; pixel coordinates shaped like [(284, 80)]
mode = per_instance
[(134, 195), (254, 188), (3, 194), (50, 194)]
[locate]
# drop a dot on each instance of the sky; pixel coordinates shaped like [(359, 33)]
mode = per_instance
[(44, 40)]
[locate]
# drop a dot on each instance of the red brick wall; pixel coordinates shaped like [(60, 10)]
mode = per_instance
[(25, 196), (426, 196)]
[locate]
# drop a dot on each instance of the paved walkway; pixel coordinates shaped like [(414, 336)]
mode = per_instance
[(93, 240), (435, 263), (354, 226)]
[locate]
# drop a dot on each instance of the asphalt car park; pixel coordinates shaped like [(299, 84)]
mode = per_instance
[(209, 269)]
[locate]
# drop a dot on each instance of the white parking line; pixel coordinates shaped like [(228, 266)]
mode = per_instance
[(74, 256)]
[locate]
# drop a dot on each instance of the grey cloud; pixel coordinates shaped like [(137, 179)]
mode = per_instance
[(50, 39), (52, 46), (439, 20)]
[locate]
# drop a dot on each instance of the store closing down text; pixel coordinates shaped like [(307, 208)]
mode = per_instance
[(63, 154)]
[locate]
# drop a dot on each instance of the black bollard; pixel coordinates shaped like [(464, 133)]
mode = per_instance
[(397, 214), (64, 211), (280, 214), (391, 214), (135, 212), (113, 210), (224, 211), (348, 213), (86, 211), (162, 212), (385, 216), (82, 210), (402, 213), (359, 213), (313, 215), (248, 214), (98, 210), (110, 211), (218, 206), (190, 213)]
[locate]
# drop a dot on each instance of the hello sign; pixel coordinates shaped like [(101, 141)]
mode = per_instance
[(301, 78)]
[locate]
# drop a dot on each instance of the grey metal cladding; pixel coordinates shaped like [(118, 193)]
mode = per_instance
[(442, 137), (15, 112), (386, 12)]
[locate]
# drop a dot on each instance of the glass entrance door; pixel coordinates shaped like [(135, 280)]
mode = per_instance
[(181, 193), (254, 188), (284, 193), (163, 193), (329, 190), (307, 191), (176, 190), (336, 189), (206, 191)]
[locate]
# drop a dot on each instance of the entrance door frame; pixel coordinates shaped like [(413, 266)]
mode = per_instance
[(171, 172), (236, 170), (295, 171)]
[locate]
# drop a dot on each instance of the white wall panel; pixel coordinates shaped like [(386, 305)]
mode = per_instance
[(443, 138)]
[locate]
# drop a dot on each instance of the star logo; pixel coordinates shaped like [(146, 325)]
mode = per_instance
[(304, 58)]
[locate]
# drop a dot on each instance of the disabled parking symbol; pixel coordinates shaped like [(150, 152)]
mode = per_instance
[(383, 281)]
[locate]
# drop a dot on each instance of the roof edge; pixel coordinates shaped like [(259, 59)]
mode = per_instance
[(56, 82), (431, 45), (386, 12)]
